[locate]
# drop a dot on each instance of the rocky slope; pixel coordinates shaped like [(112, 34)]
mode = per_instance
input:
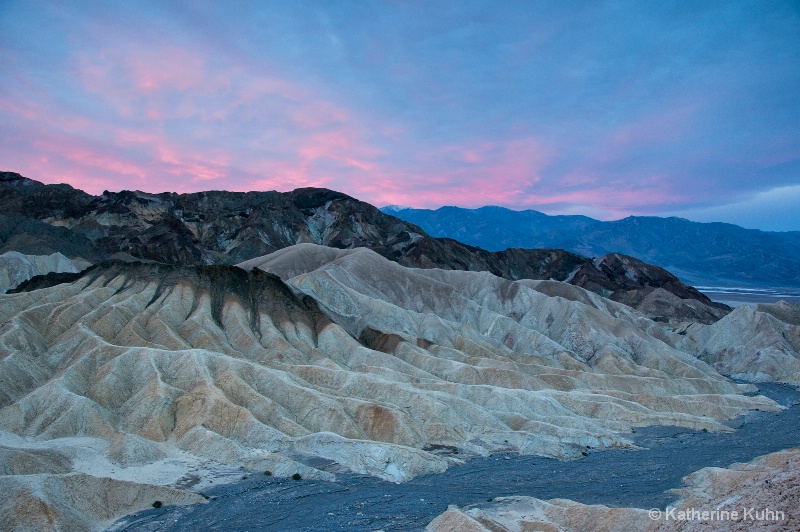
[(759, 343), (15, 268), (229, 227), (700, 253), (768, 482), (149, 374)]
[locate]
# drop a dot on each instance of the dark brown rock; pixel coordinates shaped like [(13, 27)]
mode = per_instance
[(218, 227)]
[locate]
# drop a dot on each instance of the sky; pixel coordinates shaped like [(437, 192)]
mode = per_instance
[(602, 108)]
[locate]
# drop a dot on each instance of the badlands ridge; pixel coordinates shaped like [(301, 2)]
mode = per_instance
[(133, 382)]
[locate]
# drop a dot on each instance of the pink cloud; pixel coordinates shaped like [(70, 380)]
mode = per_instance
[(172, 128), (613, 201), (193, 165), (59, 159), (473, 157), (473, 174), (143, 69), (176, 121), (175, 69), (341, 145), (171, 115), (26, 108), (657, 128)]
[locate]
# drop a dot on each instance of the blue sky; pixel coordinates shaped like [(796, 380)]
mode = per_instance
[(599, 108)]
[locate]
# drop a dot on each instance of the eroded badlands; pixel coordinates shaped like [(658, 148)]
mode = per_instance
[(125, 383)]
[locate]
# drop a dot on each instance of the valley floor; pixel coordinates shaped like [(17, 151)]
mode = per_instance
[(737, 296), (614, 478)]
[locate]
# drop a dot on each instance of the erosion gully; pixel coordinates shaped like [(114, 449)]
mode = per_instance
[(629, 478)]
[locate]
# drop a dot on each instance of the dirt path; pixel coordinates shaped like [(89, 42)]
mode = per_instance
[(615, 478)]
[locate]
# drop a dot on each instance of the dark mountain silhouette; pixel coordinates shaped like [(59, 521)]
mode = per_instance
[(219, 227)]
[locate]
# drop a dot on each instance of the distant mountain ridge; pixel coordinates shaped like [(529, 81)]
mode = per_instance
[(698, 253)]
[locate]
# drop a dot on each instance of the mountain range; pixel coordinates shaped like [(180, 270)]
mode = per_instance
[(219, 227), (710, 254), (155, 345)]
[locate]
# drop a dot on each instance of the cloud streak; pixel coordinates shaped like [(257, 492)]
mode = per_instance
[(607, 108)]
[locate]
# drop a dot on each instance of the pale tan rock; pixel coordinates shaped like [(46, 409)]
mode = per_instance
[(77, 502), (150, 370), (523, 514), (769, 482), (454, 520), (785, 312), (750, 343), (295, 260), (16, 267)]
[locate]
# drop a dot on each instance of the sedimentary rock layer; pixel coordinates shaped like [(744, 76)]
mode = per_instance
[(350, 362), (755, 344), (15, 268)]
